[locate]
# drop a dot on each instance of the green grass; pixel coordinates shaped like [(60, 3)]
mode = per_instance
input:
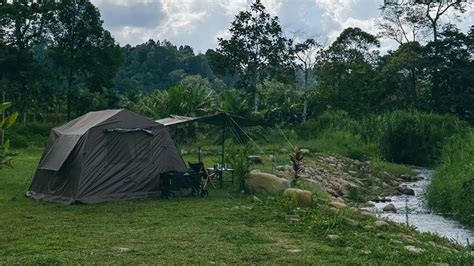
[(452, 188), (226, 228)]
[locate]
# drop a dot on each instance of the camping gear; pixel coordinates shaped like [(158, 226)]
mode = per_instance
[(182, 183), (104, 156), (207, 177)]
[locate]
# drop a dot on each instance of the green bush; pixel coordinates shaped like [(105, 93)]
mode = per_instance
[(29, 135), (416, 138), (452, 187)]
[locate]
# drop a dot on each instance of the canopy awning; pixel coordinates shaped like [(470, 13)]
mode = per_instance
[(218, 119), (175, 119)]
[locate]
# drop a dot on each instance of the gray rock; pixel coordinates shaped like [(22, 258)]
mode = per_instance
[(390, 208), (337, 204), (381, 224), (406, 191), (283, 150), (333, 237), (305, 151), (414, 249), (351, 222)]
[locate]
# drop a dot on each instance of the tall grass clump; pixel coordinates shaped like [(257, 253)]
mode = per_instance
[(452, 187), (413, 137), (334, 120)]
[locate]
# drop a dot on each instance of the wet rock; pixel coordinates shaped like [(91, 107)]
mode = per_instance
[(381, 199), (255, 159), (410, 178), (337, 204), (390, 208), (333, 237), (414, 249), (406, 191), (381, 224)]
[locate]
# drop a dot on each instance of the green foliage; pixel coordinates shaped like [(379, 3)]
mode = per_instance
[(416, 138), (6, 155), (452, 187), (333, 120), (237, 157), (29, 135), (257, 49)]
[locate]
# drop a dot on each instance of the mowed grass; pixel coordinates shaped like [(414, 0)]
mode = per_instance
[(225, 228)]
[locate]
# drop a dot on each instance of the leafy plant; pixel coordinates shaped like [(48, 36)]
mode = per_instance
[(237, 157), (296, 157), (5, 154)]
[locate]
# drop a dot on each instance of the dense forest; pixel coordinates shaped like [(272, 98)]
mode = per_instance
[(57, 62)]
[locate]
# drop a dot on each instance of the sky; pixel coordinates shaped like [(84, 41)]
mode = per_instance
[(199, 23)]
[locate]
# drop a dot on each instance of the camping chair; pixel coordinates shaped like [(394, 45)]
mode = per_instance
[(207, 178)]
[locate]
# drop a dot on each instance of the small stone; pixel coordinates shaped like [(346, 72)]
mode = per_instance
[(294, 250), (333, 237), (184, 152), (337, 205), (293, 218), (381, 224), (414, 249), (283, 150), (123, 249), (256, 199), (351, 222), (304, 151), (366, 252), (390, 208), (367, 214)]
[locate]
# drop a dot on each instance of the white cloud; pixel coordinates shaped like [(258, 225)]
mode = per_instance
[(199, 22)]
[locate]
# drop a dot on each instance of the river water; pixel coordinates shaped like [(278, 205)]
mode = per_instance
[(420, 216)]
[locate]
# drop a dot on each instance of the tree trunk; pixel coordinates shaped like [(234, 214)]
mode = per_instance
[(305, 98)]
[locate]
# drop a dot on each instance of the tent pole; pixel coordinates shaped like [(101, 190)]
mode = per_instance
[(222, 155)]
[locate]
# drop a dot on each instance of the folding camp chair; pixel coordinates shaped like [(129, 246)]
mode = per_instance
[(206, 177)]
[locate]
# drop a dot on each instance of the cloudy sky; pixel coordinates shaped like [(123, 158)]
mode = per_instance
[(199, 22)]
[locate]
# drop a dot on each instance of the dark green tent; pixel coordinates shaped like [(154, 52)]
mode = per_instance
[(102, 156)]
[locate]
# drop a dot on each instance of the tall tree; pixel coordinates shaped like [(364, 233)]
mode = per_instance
[(403, 22), (81, 47), (24, 23), (306, 53), (434, 11), (257, 49)]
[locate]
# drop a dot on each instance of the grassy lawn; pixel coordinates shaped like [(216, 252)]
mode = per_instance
[(225, 228)]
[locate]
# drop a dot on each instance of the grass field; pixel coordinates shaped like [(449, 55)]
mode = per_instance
[(225, 228)]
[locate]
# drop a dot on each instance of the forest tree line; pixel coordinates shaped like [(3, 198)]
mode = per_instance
[(57, 62)]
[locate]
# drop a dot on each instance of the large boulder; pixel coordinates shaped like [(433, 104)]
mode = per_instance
[(303, 197), (390, 208), (258, 182)]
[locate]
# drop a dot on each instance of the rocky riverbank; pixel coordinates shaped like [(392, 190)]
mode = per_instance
[(349, 180)]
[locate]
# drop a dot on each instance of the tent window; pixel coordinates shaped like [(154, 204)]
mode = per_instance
[(128, 147)]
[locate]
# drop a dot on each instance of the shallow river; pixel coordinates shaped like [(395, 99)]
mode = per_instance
[(420, 216)]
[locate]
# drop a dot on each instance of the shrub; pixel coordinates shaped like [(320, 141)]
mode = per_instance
[(28, 135), (412, 137), (452, 187)]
